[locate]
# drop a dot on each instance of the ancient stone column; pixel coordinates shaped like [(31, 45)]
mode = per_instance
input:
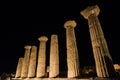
[(25, 64), (19, 68), (54, 56), (42, 57), (103, 60), (72, 52), (32, 64)]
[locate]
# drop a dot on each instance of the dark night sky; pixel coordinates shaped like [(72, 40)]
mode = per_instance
[(22, 23)]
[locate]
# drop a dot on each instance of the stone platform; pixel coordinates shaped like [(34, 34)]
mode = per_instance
[(64, 79), (47, 79)]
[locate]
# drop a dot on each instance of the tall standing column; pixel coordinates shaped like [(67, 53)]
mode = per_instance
[(103, 60), (42, 57), (32, 65), (25, 64), (54, 57), (72, 52), (19, 68)]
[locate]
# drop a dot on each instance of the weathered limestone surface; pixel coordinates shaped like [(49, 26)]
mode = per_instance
[(72, 52), (41, 67), (32, 65), (66, 79), (103, 60), (53, 79), (19, 68), (54, 56), (26, 59), (27, 70)]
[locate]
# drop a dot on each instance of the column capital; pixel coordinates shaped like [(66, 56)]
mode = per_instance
[(54, 35), (70, 23), (43, 38), (90, 10), (27, 47)]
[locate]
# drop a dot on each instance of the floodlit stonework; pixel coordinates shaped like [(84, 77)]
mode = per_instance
[(117, 67), (19, 68), (42, 57), (33, 65), (25, 64), (103, 60), (54, 57), (72, 52)]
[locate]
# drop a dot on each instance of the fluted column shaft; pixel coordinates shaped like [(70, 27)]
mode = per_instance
[(42, 57), (103, 60), (26, 59), (32, 65), (19, 67), (54, 57), (72, 52)]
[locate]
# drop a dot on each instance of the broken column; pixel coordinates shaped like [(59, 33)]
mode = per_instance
[(72, 52), (25, 64), (54, 57), (41, 67), (32, 64), (103, 60), (19, 68)]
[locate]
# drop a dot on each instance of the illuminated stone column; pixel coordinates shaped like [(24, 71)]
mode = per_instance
[(19, 68), (72, 52), (25, 64), (54, 57), (42, 57), (103, 60), (32, 65)]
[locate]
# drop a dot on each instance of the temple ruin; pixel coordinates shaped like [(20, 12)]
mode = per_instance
[(27, 69)]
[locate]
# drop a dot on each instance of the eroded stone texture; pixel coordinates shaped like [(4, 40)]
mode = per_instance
[(32, 65), (19, 68), (26, 59), (103, 60), (54, 56), (72, 52), (41, 67)]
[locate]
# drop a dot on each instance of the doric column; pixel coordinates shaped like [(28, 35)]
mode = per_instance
[(32, 65), (42, 57), (72, 52), (103, 60), (19, 68), (54, 56), (25, 64)]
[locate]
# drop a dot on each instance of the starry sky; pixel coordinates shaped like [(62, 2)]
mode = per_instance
[(24, 22)]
